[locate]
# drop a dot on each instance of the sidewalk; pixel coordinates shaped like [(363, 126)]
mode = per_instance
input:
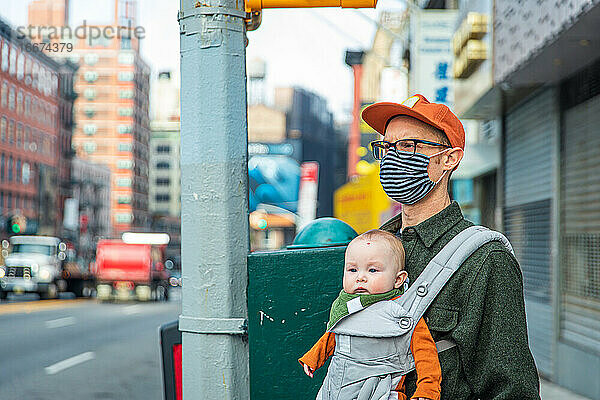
[(550, 391)]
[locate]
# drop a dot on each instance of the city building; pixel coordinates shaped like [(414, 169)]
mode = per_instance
[(165, 171), (310, 125), (294, 128), (36, 101), (534, 83), (112, 106)]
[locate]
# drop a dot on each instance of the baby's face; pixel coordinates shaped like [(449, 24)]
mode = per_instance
[(370, 268)]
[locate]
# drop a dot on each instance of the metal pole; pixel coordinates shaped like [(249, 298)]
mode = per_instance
[(354, 137), (214, 200)]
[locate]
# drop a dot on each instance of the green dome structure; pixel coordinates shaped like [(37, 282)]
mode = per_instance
[(324, 232)]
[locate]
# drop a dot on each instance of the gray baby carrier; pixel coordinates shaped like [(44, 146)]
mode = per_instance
[(372, 349)]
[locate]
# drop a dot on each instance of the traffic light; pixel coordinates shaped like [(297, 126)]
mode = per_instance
[(256, 5), (16, 225), (262, 224), (258, 220)]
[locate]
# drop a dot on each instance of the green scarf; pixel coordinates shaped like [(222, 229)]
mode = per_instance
[(339, 308)]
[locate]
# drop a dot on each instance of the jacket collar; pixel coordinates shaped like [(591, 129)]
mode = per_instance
[(432, 228)]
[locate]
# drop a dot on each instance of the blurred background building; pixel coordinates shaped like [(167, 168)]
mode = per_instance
[(36, 99), (534, 86), (296, 129), (165, 172), (112, 107)]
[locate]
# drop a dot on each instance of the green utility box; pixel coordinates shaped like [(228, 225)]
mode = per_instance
[(289, 295)]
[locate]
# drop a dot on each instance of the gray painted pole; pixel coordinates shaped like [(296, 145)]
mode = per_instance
[(214, 205)]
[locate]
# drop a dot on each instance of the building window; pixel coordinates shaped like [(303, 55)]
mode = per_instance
[(125, 164), (126, 58), (91, 58), (125, 111), (126, 94), (20, 102), (162, 197), (28, 68), (11, 131), (89, 112), (125, 43), (4, 56), (18, 171), (21, 66), (12, 67), (74, 58), (36, 75), (2, 168), (19, 134), (162, 165), (90, 76), (125, 146), (124, 218), (4, 100), (163, 181), (26, 174), (124, 128), (27, 138), (163, 149), (10, 169), (89, 147), (11, 98), (89, 93), (124, 199), (3, 129), (124, 182), (43, 82), (126, 76), (27, 104), (90, 129)]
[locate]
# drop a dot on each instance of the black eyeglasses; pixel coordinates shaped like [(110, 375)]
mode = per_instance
[(381, 147)]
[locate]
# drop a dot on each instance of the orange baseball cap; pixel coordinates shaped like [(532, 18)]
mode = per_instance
[(437, 115)]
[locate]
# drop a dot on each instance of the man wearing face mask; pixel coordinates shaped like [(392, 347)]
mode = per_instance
[(480, 311)]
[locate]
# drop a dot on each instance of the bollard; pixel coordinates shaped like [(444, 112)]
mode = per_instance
[(289, 295)]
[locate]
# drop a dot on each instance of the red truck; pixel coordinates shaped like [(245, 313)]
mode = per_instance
[(126, 271)]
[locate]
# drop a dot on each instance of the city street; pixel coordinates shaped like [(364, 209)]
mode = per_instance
[(76, 349)]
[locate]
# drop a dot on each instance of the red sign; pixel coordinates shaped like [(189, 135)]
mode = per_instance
[(307, 195), (309, 172)]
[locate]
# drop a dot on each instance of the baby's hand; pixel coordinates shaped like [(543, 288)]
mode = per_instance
[(308, 370)]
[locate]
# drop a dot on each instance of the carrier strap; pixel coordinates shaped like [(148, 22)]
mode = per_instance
[(440, 269)]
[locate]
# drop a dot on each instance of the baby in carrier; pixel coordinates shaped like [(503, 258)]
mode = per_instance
[(371, 350)]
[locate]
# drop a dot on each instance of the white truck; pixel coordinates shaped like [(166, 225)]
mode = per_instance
[(34, 265)]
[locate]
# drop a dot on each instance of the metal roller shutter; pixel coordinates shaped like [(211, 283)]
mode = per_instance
[(580, 242), (529, 165)]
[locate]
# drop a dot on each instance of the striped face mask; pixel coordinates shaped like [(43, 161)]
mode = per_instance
[(404, 176)]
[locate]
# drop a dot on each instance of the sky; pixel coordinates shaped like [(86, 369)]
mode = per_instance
[(301, 47)]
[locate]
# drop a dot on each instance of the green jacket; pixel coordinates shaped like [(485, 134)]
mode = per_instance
[(481, 308)]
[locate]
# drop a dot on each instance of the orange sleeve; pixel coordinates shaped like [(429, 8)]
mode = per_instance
[(320, 352), (427, 363)]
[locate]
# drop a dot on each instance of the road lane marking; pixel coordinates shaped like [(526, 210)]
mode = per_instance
[(60, 322), (69, 362), (135, 309), (41, 305)]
